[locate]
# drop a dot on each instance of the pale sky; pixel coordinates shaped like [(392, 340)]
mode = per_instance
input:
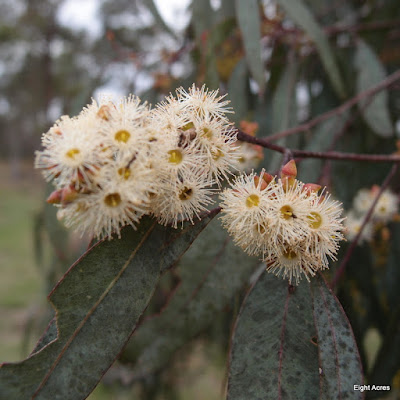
[(82, 14)]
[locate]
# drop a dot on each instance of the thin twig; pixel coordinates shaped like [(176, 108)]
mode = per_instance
[(327, 155), (367, 217), (338, 110)]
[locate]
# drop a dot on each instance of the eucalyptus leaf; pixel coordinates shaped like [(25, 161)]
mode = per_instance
[(301, 15), (370, 72), (98, 303), (248, 16), (237, 89), (293, 343)]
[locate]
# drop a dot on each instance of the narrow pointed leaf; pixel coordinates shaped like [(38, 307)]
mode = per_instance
[(301, 15), (284, 110), (237, 89), (292, 344), (370, 72), (248, 16), (98, 303)]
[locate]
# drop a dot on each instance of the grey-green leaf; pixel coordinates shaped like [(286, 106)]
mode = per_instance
[(301, 15), (237, 89), (98, 303), (284, 109), (370, 72), (212, 272), (248, 16), (293, 343)]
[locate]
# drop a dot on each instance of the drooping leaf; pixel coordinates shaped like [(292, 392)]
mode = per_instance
[(293, 343), (248, 16), (370, 72), (98, 303), (212, 272), (237, 89), (301, 15), (284, 109), (202, 17)]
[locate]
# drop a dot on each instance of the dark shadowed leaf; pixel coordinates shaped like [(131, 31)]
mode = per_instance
[(302, 16), (293, 344), (370, 72), (387, 362), (248, 16), (98, 303), (212, 272)]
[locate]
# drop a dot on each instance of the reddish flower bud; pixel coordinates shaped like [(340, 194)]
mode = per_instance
[(55, 197)]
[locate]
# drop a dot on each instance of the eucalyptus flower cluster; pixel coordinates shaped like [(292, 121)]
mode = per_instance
[(384, 211), (114, 163), (293, 228)]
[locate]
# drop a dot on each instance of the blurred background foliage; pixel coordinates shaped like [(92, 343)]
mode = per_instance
[(282, 63)]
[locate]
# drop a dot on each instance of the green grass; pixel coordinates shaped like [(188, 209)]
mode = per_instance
[(20, 284)]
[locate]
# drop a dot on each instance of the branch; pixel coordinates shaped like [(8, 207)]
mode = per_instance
[(328, 155), (339, 110), (367, 217)]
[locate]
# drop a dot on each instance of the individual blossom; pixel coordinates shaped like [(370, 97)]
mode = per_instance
[(363, 200), (292, 262), (353, 224), (184, 199), (175, 159), (386, 207), (122, 127), (247, 212), (70, 153), (104, 211), (248, 156), (200, 102), (326, 226)]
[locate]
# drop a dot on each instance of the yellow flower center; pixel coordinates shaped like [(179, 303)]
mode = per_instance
[(289, 254), (217, 155), (175, 157), (286, 212), (72, 153), (112, 199), (125, 172), (260, 229), (207, 133), (242, 160), (314, 220), (186, 193), (122, 136), (252, 201), (188, 126)]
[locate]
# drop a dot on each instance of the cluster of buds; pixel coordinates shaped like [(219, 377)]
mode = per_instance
[(293, 228), (384, 211), (113, 163)]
